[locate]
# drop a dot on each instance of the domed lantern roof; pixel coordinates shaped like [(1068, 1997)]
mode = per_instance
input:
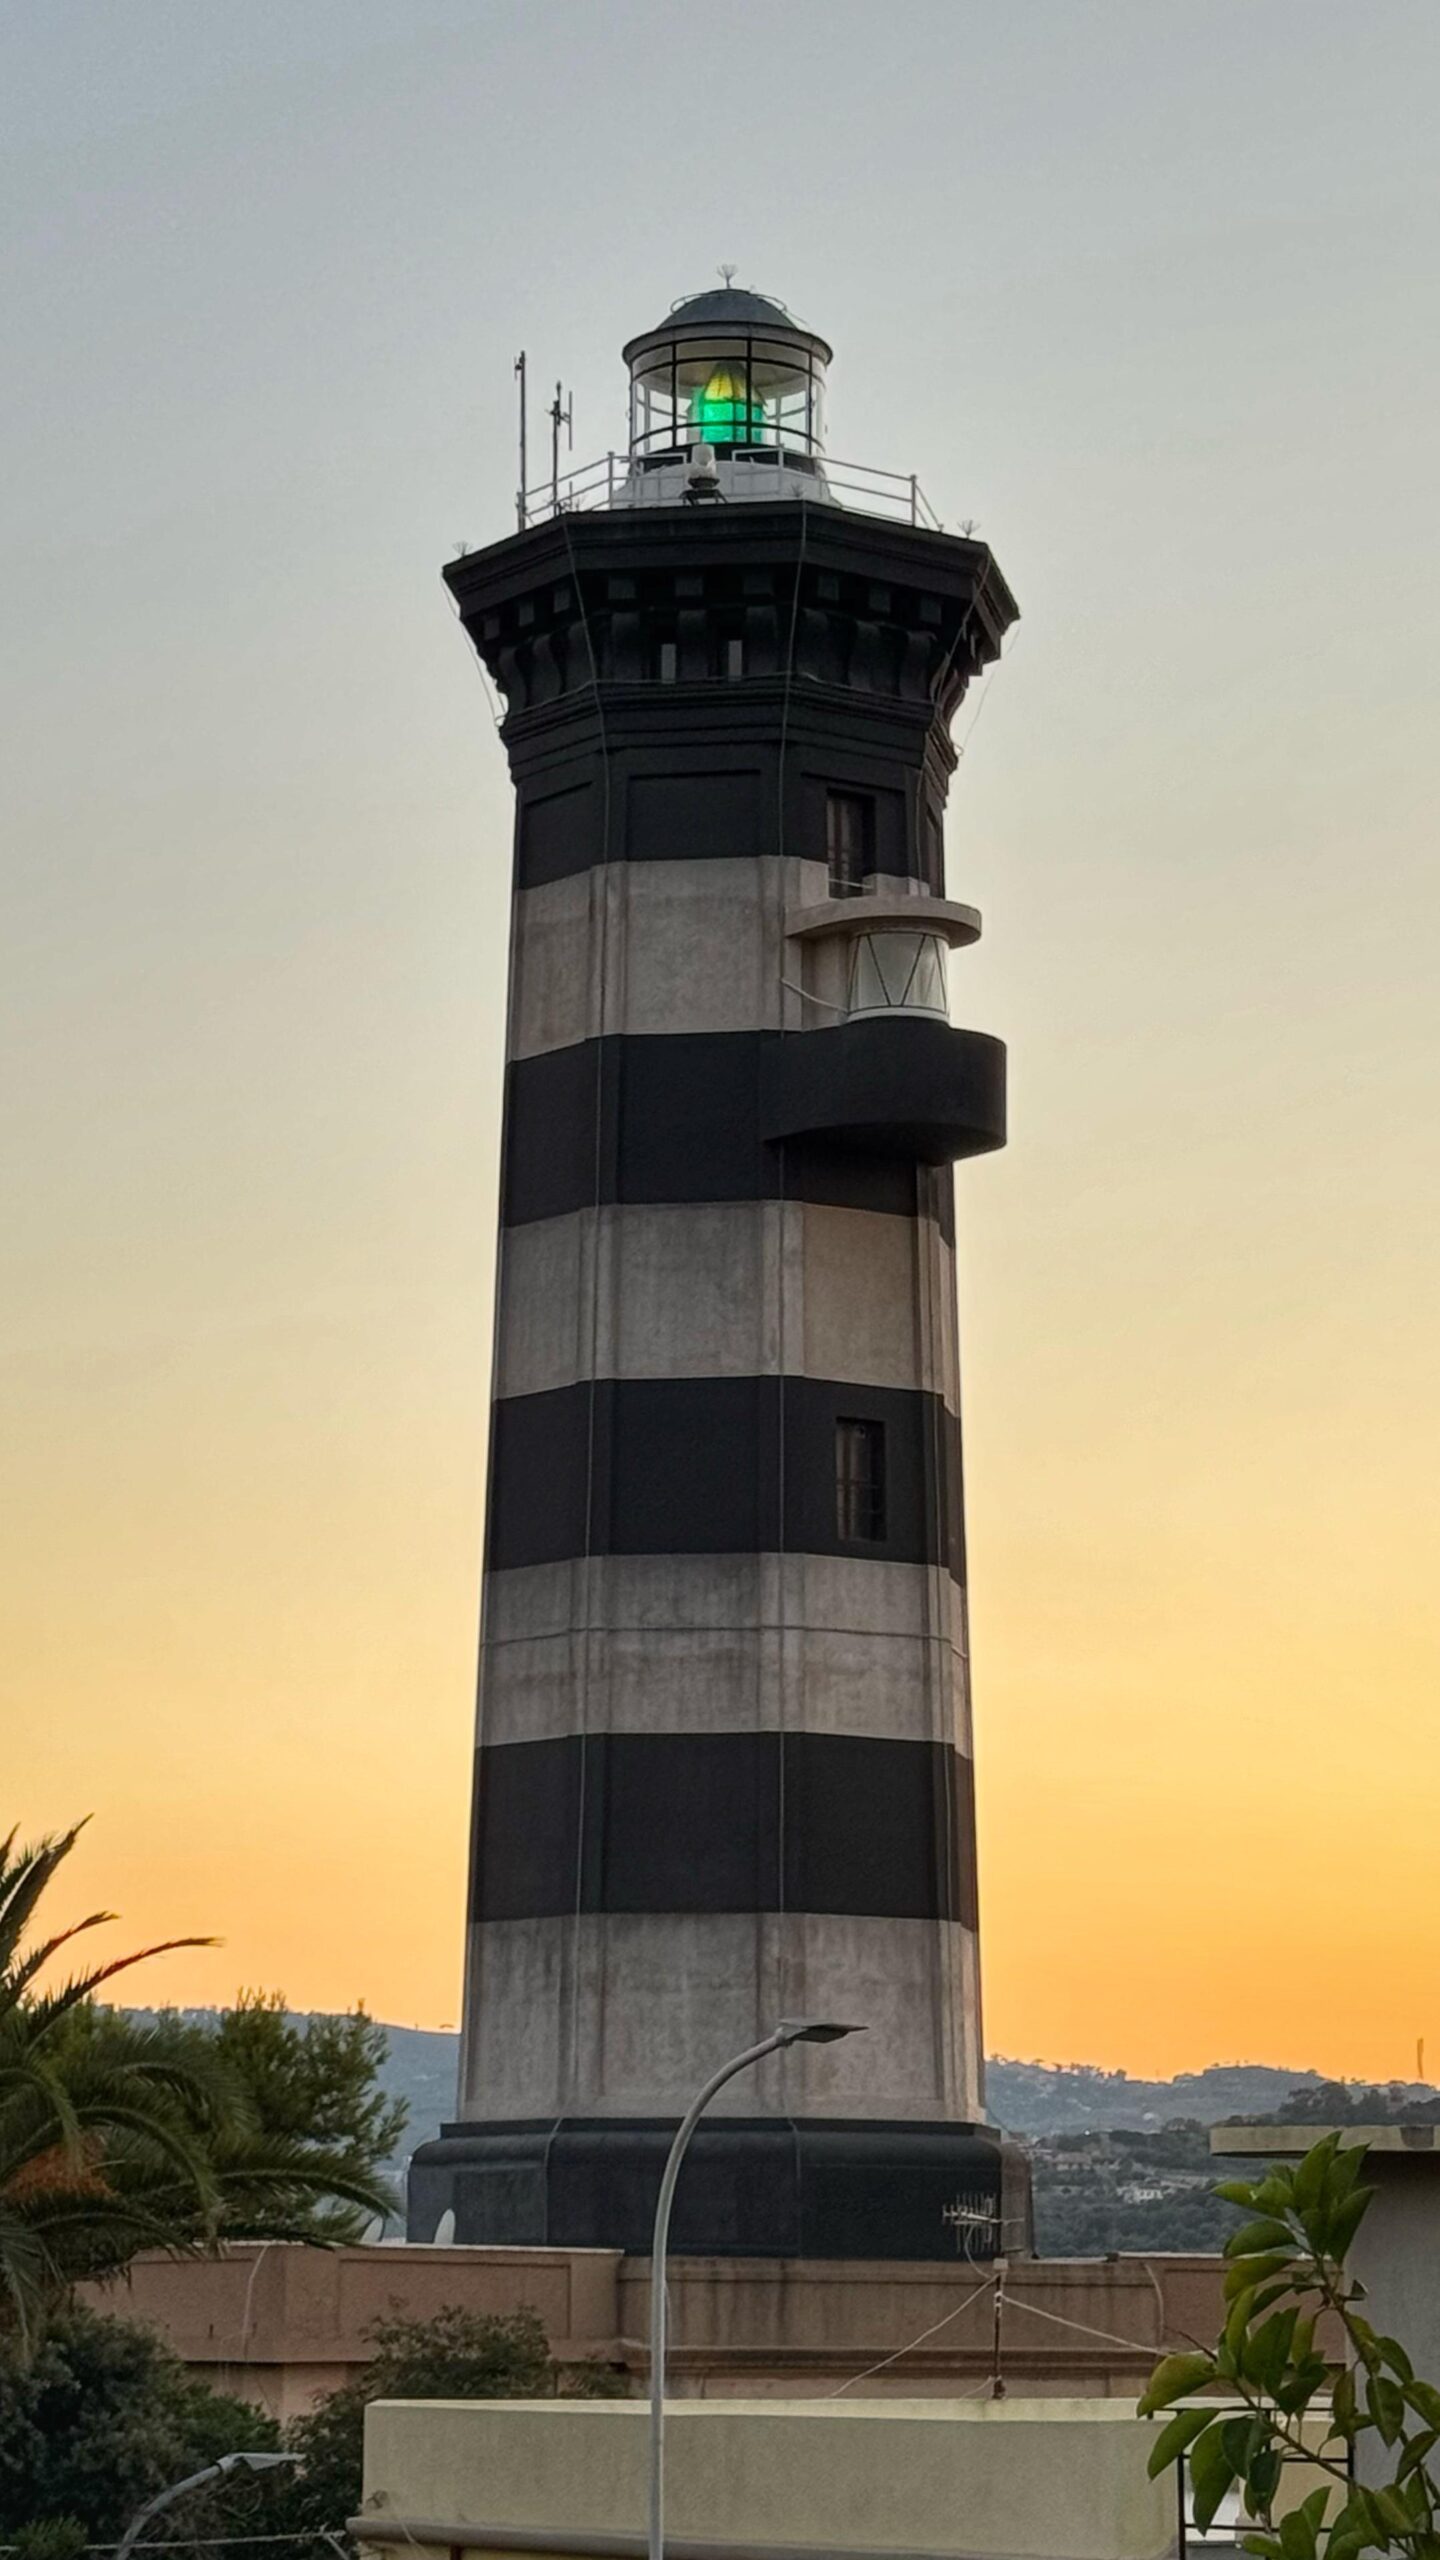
[(731, 307), (731, 369)]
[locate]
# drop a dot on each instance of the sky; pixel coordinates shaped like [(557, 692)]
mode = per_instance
[(1150, 293)]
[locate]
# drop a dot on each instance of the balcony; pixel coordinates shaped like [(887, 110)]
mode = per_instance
[(893, 1083), (885, 1071)]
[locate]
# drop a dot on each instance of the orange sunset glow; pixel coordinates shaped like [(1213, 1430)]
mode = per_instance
[(253, 949)]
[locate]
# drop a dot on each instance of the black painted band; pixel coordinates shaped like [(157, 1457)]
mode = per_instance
[(763, 2187), (681, 1117), (715, 1466), (704, 801), (716, 1822)]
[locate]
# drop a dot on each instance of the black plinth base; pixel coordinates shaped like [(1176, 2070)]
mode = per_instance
[(751, 2188)]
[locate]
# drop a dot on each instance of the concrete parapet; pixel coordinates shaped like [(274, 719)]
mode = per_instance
[(1007, 2477)]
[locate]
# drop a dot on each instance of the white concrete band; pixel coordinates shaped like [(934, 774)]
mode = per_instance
[(650, 948), (728, 1289), (725, 1644), (607, 2014)]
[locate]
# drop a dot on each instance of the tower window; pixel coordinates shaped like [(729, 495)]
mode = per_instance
[(849, 841), (667, 660), (859, 1479), (932, 844), (726, 637)]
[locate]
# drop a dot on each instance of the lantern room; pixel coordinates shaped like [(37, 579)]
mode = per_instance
[(733, 373)]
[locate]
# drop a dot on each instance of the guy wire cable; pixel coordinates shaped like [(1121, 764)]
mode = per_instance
[(495, 1316), (596, 1247), (782, 1561)]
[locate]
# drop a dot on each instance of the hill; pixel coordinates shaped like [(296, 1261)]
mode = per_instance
[(1118, 2163), (1065, 2097)]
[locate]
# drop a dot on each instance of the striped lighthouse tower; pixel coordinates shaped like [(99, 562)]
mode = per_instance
[(723, 1770)]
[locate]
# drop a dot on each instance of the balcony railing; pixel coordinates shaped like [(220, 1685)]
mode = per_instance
[(858, 486)]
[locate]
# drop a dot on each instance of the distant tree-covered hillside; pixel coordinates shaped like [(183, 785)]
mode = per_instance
[(1118, 2163), (1058, 2097)]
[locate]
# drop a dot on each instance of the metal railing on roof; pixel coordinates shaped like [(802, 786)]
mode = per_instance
[(857, 486)]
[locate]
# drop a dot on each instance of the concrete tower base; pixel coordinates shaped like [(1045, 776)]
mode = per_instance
[(752, 2188)]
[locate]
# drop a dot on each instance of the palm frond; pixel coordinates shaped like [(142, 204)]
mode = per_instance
[(24, 1875), (162, 2132), (26, 2270), (53, 2005), (20, 1976), (26, 2076)]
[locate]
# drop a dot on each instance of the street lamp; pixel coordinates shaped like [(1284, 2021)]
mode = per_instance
[(790, 2031), (220, 2470)]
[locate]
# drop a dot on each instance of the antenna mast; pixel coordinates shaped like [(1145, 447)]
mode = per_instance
[(524, 445), (562, 414)]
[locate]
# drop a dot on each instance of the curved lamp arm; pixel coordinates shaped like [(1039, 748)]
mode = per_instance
[(220, 2470), (790, 2031)]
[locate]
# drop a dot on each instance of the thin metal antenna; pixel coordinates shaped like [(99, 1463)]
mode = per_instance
[(562, 414), (524, 444)]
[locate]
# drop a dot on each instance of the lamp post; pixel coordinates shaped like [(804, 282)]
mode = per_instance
[(220, 2470), (790, 2031)]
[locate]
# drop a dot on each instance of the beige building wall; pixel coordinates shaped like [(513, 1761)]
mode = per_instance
[(281, 2325), (1021, 2480)]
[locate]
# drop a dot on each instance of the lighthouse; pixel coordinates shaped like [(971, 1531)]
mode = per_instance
[(723, 1769)]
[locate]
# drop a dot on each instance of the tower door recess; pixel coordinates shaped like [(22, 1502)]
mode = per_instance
[(860, 1479), (849, 841)]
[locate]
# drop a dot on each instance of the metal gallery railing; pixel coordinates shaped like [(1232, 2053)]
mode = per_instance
[(859, 486)]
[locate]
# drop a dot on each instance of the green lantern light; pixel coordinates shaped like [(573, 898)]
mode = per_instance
[(720, 412)]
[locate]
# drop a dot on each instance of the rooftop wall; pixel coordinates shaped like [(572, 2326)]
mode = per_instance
[(282, 2325), (1020, 2480)]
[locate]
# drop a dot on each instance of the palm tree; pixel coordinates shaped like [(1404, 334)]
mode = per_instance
[(116, 2138), (58, 2124)]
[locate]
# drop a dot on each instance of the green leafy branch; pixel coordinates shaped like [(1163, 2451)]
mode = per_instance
[(1286, 2271)]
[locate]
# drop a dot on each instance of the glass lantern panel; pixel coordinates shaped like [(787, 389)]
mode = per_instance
[(928, 992), (867, 987), (726, 388), (898, 973)]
